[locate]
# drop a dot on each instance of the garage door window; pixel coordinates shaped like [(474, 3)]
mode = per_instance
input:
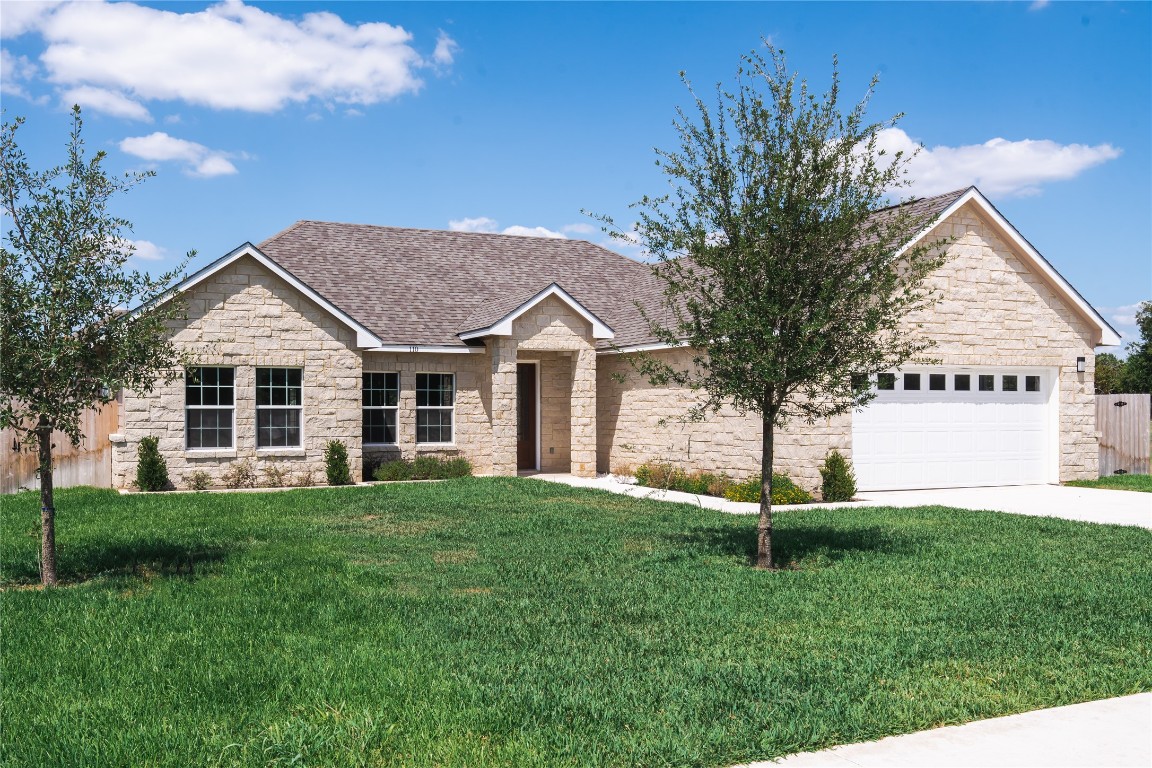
[(937, 381), (911, 381), (1008, 384), (962, 382), (1032, 383), (987, 383), (886, 381)]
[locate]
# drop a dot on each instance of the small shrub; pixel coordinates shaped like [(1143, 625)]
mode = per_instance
[(670, 478), (336, 463), (305, 478), (275, 476), (839, 481), (240, 474), (198, 480), (393, 471), (423, 468), (151, 469), (784, 491)]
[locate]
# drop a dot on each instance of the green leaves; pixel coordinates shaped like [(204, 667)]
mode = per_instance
[(65, 286), (781, 265)]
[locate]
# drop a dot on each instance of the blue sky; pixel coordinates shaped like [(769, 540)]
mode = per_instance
[(515, 116)]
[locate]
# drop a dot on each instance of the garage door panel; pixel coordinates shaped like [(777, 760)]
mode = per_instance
[(936, 439)]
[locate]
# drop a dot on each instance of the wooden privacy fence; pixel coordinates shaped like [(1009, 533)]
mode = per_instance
[(90, 463), (1122, 421)]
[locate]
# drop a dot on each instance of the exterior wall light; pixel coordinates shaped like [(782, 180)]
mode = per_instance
[(1079, 365)]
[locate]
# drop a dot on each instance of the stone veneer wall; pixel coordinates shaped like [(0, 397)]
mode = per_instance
[(472, 420), (246, 317), (993, 311), (552, 332), (639, 422)]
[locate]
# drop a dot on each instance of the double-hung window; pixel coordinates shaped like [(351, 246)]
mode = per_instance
[(435, 407), (209, 406), (381, 401), (279, 400)]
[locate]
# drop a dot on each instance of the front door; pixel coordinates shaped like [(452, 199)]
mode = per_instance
[(526, 434)]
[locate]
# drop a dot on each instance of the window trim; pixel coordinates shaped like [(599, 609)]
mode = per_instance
[(256, 402), (419, 408), (393, 408), (230, 408)]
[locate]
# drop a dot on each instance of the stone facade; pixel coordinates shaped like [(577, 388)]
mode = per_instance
[(596, 413), (244, 317), (993, 310)]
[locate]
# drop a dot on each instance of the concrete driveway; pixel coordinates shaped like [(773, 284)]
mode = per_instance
[(1097, 734), (1092, 505)]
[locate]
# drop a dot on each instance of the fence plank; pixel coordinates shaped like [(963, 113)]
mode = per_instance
[(1124, 433), (90, 463)]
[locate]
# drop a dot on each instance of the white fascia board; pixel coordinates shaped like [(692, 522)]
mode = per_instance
[(364, 337), (503, 326), (439, 349), (655, 347), (1108, 337)]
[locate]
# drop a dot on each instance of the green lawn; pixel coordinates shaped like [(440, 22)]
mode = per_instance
[(514, 622), (1118, 482)]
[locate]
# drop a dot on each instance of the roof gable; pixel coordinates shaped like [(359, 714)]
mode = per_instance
[(496, 319), (364, 337), (1106, 335)]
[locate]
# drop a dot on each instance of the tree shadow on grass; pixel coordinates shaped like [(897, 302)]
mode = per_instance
[(798, 547), (123, 561)]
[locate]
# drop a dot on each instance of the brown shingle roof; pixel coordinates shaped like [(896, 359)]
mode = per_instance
[(421, 286)]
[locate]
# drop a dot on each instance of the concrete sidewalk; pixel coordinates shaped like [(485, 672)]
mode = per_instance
[(1097, 734), (1093, 505)]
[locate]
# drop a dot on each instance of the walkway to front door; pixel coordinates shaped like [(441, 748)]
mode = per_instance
[(527, 432)]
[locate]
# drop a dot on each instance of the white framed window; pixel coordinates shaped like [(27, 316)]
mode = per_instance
[(381, 403), (279, 406), (209, 407), (435, 407)]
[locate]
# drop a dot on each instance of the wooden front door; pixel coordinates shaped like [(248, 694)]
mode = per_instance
[(526, 436)]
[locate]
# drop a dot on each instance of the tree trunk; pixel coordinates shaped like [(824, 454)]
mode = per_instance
[(764, 528), (47, 511)]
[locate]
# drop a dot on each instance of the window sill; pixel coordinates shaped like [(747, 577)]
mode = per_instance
[(436, 447), (281, 452), (209, 453)]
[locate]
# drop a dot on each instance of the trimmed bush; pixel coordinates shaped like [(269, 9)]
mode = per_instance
[(151, 469), (336, 463), (784, 491), (423, 468), (839, 481)]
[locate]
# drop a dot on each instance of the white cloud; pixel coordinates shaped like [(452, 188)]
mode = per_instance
[(227, 56), (1123, 319), (1038, 5), (102, 100), (998, 167), (147, 250), (491, 226), (16, 18), (579, 228), (13, 71), (445, 52), (478, 224), (198, 159)]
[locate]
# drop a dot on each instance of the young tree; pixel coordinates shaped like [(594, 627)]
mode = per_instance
[(1110, 374), (66, 342), (1138, 368), (781, 273)]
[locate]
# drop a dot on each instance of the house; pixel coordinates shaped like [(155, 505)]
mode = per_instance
[(512, 351)]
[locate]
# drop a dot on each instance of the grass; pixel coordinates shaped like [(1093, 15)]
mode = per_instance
[(1118, 482), (489, 621)]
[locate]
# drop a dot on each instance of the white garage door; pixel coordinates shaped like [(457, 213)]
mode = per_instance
[(950, 428)]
